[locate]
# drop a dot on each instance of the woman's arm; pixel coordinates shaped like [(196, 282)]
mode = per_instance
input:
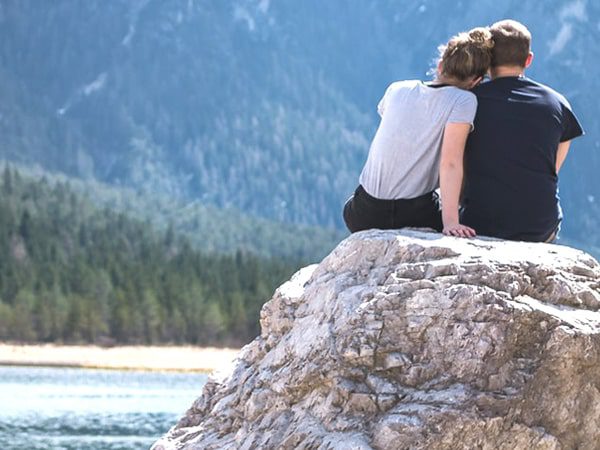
[(451, 177)]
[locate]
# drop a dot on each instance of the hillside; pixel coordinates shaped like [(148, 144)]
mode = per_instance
[(73, 272), (266, 107), (207, 227)]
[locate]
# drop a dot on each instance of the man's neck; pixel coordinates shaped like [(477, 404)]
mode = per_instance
[(507, 71)]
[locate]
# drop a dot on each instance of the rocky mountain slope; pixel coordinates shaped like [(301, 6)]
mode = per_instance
[(263, 106)]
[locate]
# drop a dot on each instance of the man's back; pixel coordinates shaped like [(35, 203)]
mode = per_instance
[(510, 159)]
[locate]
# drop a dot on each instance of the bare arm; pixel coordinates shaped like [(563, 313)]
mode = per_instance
[(451, 177), (561, 154)]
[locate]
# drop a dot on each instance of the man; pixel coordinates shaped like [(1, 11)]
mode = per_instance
[(522, 134)]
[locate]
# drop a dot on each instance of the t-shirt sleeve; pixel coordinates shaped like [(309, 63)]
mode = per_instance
[(464, 110), (571, 126), (382, 103)]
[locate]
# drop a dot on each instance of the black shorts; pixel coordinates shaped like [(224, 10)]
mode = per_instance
[(363, 211)]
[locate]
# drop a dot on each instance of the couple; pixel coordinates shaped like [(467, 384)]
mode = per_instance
[(509, 135)]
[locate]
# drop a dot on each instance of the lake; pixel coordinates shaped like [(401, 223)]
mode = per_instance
[(73, 409)]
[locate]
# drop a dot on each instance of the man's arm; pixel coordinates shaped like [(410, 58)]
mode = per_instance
[(451, 177), (561, 154)]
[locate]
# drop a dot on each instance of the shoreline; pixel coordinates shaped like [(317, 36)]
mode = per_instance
[(128, 357)]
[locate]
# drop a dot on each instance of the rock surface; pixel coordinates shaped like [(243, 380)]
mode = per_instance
[(411, 340)]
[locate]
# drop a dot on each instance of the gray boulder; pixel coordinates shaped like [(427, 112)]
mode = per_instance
[(412, 340)]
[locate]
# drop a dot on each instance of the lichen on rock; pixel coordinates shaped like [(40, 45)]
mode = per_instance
[(412, 340)]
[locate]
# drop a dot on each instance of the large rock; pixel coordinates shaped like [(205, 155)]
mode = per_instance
[(410, 340)]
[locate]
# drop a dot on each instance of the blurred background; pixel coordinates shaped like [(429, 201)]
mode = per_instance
[(165, 164)]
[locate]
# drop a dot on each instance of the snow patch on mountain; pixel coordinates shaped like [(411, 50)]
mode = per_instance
[(86, 90), (263, 6), (241, 14), (135, 14), (127, 39), (560, 41), (571, 12), (95, 85), (252, 12), (575, 10)]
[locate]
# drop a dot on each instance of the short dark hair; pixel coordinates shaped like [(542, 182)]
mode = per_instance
[(512, 43)]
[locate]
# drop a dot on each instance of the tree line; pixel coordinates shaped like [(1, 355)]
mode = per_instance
[(71, 272)]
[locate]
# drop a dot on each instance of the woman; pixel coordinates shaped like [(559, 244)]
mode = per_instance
[(419, 145)]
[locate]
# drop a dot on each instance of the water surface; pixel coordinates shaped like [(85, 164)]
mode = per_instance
[(73, 409)]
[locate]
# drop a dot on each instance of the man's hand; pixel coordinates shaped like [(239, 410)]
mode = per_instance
[(458, 230)]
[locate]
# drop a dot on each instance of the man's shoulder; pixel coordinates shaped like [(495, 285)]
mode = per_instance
[(482, 87), (550, 92), (510, 85)]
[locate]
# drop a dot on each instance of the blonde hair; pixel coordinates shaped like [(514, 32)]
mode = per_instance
[(512, 43), (467, 55)]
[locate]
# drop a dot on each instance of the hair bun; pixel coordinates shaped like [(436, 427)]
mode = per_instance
[(482, 37), (467, 55)]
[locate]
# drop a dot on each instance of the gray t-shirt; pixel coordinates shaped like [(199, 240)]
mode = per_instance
[(404, 157)]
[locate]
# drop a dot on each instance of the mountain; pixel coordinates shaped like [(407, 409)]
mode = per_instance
[(262, 106)]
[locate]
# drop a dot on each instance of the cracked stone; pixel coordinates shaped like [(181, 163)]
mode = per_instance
[(413, 340)]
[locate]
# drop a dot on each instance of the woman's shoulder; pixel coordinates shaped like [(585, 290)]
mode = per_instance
[(461, 93), (452, 94), (403, 84), (462, 96)]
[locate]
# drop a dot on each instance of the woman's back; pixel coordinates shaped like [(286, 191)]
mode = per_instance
[(420, 143), (404, 157)]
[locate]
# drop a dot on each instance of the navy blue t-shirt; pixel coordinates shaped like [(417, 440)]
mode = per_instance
[(511, 185)]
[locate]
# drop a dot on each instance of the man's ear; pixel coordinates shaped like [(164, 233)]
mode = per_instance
[(529, 60), (474, 82)]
